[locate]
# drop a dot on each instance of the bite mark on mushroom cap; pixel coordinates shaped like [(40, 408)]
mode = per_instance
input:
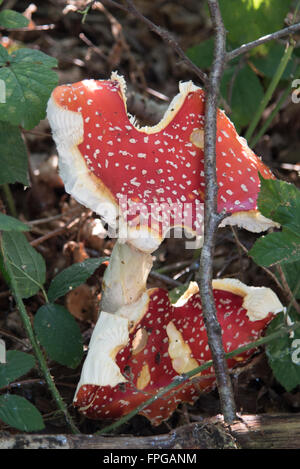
[(175, 342), (106, 160)]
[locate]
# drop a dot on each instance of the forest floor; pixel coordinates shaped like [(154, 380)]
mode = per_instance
[(65, 232)]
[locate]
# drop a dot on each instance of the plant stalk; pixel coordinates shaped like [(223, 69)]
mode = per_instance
[(10, 200), (269, 93), (35, 346)]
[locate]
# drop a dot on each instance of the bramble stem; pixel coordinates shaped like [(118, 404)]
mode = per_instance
[(35, 346)]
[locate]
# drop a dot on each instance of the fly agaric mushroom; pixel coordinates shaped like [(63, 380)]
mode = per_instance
[(142, 347), (152, 178)]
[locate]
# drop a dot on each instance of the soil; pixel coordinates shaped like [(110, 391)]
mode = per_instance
[(108, 40)]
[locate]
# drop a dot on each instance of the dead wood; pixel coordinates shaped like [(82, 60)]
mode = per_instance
[(265, 431)]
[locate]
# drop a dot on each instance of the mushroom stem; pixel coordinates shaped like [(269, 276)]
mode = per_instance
[(125, 278)]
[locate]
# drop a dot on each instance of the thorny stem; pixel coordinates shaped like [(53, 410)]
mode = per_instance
[(212, 219), (35, 346), (181, 379)]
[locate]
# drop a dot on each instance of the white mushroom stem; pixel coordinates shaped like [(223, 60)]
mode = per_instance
[(125, 277)]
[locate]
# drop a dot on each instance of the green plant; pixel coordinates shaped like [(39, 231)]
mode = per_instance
[(28, 79), (249, 81), (248, 85)]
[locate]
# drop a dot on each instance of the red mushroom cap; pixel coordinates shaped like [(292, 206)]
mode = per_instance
[(165, 341), (154, 174)]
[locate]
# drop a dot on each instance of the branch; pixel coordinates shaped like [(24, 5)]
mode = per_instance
[(212, 218), (262, 40), (165, 35)]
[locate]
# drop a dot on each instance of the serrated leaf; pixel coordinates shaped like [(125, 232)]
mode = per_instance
[(13, 155), (27, 265), (29, 80), (275, 248), (246, 95), (72, 277), (292, 274), (59, 334), (284, 353), (8, 223), (280, 201), (12, 19), (19, 413), (17, 364)]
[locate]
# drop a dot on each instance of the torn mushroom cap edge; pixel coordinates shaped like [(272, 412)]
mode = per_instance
[(111, 332), (87, 189), (67, 129)]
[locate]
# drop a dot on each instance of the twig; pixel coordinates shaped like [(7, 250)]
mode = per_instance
[(269, 272), (287, 289), (164, 278), (212, 218), (165, 35), (42, 27), (56, 232), (262, 40)]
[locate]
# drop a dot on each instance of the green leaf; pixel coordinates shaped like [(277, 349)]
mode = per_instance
[(202, 54), (13, 155), (247, 93), (275, 248), (280, 201), (284, 352), (19, 413), (59, 334), (17, 364), (29, 80), (27, 265), (176, 292), (292, 274), (12, 19), (247, 20), (8, 223), (72, 277), (267, 64)]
